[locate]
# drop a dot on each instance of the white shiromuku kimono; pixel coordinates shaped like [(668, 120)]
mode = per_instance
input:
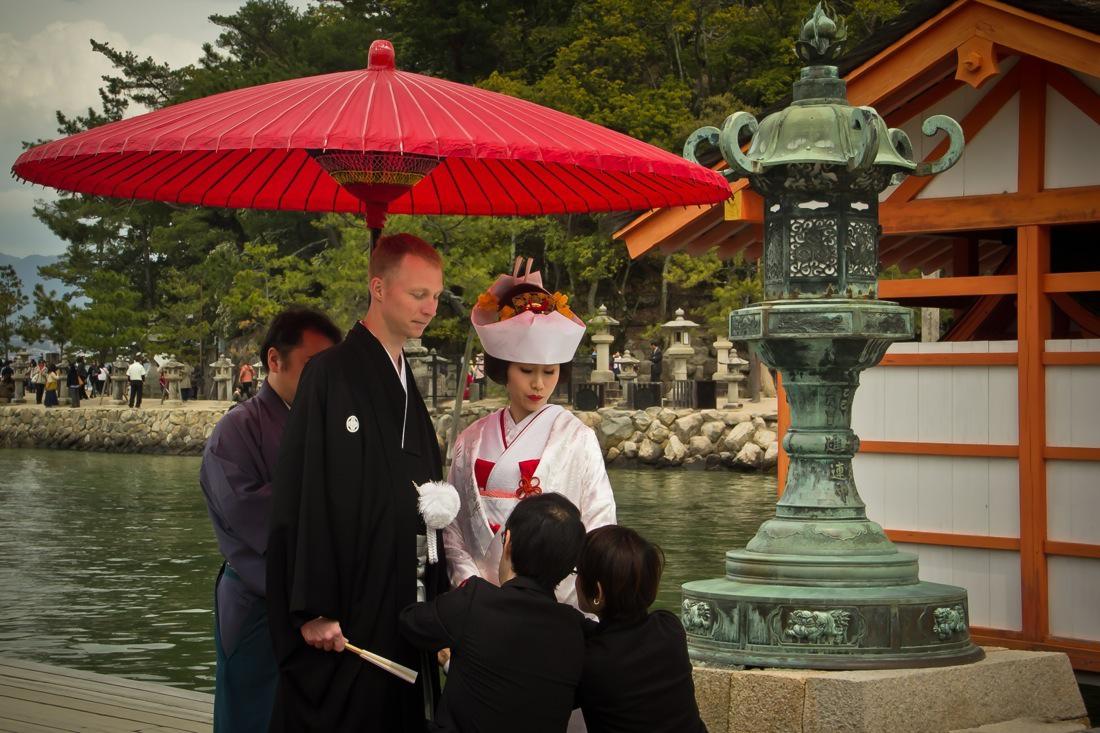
[(548, 451)]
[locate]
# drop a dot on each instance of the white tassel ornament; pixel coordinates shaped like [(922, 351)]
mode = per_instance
[(438, 505)]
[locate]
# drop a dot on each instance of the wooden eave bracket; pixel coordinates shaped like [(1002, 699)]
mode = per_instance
[(977, 61)]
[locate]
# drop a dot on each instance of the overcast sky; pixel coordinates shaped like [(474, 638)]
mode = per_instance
[(47, 64)]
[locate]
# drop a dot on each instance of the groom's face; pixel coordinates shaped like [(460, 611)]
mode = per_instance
[(409, 295)]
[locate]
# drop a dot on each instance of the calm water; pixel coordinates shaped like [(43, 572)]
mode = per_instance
[(108, 561)]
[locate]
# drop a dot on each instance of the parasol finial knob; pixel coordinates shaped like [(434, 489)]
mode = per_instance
[(381, 55)]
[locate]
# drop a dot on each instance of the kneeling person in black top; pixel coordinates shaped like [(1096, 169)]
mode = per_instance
[(637, 676), (516, 653)]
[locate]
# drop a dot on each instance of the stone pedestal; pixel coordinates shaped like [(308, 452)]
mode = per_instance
[(601, 325), (1007, 685), (729, 371), (21, 372), (172, 371), (680, 349), (223, 379)]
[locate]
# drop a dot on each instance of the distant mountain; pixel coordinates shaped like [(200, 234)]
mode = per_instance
[(27, 270)]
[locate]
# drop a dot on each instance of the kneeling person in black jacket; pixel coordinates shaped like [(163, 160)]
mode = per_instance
[(637, 676), (516, 653)]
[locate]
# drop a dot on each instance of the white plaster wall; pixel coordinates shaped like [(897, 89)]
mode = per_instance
[(989, 163), (1073, 398), (1072, 145), (1074, 593)]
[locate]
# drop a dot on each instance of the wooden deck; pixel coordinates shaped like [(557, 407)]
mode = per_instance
[(43, 698)]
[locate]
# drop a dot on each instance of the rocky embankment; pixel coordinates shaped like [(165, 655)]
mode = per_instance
[(657, 437)]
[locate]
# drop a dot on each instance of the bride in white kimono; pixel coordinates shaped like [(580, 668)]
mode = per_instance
[(530, 446)]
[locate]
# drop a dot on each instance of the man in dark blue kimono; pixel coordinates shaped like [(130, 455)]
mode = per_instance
[(236, 475), (346, 550)]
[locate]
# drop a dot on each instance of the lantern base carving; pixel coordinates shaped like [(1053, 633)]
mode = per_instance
[(734, 623)]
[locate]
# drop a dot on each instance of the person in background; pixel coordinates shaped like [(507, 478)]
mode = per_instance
[(38, 379), (245, 376), (50, 386), (102, 377), (656, 357), (136, 374), (637, 675), (75, 384), (238, 467)]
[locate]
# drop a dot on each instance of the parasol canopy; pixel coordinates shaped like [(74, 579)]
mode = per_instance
[(371, 141)]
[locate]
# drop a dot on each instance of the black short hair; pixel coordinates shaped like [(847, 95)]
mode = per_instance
[(628, 568), (497, 369), (285, 331), (546, 535)]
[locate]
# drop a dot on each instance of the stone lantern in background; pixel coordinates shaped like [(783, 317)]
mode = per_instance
[(119, 380), (20, 373), (223, 378), (261, 374), (679, 348), (172, 371), (820, 585), (601, 324), (628, 369), (729, 369), (416, 352), (63, 395)]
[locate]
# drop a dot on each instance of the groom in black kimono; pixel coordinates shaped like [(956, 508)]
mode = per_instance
[(344, 556)]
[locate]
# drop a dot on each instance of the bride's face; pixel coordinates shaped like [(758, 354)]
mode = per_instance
[(530, 386)]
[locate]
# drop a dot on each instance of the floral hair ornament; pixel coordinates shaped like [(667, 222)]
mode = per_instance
[(532, 327)]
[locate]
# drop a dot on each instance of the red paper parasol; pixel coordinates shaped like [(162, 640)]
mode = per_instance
[(371, 141)]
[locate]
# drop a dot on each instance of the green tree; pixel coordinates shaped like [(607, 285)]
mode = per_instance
[(12, 300), (112, 320), (55, 316)]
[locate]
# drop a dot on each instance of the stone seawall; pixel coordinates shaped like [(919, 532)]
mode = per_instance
[(108, 429), (658, 436)]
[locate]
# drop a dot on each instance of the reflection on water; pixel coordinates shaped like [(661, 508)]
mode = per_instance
[(109, 560), (694, 516)]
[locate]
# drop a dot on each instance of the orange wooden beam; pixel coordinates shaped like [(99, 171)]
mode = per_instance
[(1033, 329), (951, 359), (923, 101), (1071, 282), (1084, 318), (938, 37), (947, 286), (743, 240), (1075, 91), (1071, 453), (982, 542), (1071, 358), (970, 450), (995, 211), (935, 249), (964, 328), (976, 119), (692, 243), (1072, 549), (1032, 137)]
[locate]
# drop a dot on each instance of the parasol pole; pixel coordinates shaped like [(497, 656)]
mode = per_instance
[(456, 306)]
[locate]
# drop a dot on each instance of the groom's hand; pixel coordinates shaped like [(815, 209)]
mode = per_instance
[(324, 634)]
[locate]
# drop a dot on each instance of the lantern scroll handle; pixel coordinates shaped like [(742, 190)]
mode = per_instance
[(730, 145), (954, 149), (864, 123), (707, 134)]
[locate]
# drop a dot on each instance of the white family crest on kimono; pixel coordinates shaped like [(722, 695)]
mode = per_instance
[(549, 451)]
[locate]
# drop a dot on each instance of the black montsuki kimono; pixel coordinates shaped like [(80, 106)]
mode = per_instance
[(343, 541)]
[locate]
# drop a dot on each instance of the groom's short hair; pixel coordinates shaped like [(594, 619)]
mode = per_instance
[(547, 536), (391, 249)]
